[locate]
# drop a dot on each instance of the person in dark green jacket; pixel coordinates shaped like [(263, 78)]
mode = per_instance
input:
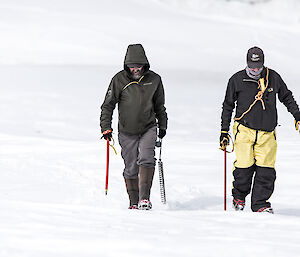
[(253, 93), (139, 93)]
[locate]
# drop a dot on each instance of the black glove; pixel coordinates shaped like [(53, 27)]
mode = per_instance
[(107, 134), (161, 133), (224, 139)]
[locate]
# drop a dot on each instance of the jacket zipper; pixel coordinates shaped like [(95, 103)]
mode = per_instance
[(251, 80)]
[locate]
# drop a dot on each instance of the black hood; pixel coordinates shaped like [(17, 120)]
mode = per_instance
[(136, 54)]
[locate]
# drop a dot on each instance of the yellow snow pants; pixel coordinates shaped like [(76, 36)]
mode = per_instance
[(254, 147)]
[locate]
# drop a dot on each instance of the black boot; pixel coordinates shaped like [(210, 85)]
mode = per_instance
[(132, 187), (145, 183)]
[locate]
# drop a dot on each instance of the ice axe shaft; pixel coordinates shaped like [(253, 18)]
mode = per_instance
[(225, 164), (107, 166)]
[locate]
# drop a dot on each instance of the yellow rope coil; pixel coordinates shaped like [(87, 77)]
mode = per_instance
[(258, 97)]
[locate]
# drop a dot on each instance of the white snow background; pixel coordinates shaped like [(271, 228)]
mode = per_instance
[(56, 61)]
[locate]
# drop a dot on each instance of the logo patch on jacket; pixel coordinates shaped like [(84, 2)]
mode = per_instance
[(270, 90), (146, 84)]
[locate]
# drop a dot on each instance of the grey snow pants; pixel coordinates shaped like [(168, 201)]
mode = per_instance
[(138, 150)]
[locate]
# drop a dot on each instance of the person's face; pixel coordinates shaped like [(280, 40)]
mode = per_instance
[(254, 69), (135, 69)]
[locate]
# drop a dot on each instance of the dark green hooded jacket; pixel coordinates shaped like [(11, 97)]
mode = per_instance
[(140, 102)]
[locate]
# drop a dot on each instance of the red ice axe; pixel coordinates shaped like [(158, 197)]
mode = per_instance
[(107, 166), (225, 164)]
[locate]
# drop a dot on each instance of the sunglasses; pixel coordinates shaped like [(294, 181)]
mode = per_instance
[(253, 69), (135, 66)]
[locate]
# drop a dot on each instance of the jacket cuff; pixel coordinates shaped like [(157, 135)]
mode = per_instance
[(297, 116), (106, 129)]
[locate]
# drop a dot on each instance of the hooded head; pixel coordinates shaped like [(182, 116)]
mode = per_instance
[(136, 55)]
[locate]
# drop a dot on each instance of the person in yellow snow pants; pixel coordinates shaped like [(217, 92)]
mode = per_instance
[(253, 93), (255, 153)]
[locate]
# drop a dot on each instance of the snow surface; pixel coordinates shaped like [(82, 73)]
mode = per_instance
[(57, 58)]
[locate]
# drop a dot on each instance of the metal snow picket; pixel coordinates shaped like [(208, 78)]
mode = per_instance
[(161, 174)]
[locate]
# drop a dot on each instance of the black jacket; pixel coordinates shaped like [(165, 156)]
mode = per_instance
[(140, 102), (241, 92)]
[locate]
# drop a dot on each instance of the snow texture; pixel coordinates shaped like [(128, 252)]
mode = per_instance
[(57, 59)]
